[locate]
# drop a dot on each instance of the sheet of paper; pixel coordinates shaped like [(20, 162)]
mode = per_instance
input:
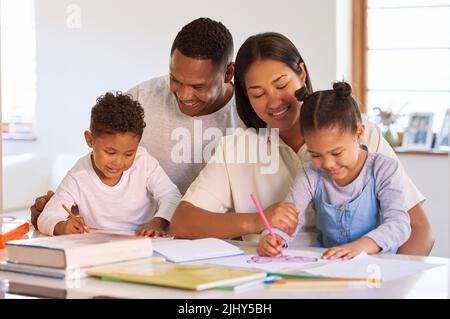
[(273, 265), (184, 250), (365, 266)]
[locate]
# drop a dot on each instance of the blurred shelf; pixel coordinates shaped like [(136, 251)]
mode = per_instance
[(433, 152)]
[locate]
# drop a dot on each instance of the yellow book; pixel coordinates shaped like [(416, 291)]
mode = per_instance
[(163, 273)]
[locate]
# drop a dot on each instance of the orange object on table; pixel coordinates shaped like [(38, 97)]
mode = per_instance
[(11, 229)]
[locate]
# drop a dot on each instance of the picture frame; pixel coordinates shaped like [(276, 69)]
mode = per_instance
[(419, 134), (443, 136)]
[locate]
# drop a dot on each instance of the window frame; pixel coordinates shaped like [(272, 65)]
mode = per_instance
[(359, 52), (21, 129)]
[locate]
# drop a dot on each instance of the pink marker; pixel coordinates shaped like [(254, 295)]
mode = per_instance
[(263, 217)]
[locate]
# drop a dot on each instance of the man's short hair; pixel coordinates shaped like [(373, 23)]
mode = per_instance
[(205, 39)]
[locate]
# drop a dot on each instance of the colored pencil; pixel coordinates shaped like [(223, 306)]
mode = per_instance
[(72, 215)]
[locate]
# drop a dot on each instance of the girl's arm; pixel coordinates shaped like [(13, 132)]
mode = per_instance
[(421, 240), (395, 227), (353, 249), (300, 195)]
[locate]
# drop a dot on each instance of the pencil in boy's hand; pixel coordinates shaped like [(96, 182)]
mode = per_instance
[(72, 215)]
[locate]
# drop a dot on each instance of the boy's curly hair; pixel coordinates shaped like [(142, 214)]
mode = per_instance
[(117, 113)]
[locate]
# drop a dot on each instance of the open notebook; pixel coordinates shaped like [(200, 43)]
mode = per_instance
[(185, 250)]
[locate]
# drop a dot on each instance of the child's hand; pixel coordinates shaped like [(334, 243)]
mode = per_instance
[(268, 246), (283, 216), (74, 225), (158, 227), (350, 250)]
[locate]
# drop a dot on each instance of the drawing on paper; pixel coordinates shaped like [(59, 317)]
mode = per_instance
[(282, 258)]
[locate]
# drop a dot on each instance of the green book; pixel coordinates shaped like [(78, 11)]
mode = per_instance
[(168, 274)]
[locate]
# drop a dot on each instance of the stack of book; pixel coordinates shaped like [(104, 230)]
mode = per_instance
[(125, 258), (70, 256)]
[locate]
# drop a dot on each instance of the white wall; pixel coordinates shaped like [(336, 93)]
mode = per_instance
[(430, 174), (121, 43), (344, 40)]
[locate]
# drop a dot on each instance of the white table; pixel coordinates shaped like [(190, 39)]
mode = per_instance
[(432, 283)]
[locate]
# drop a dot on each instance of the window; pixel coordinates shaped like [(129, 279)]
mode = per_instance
[(18, 65), (408, 57)]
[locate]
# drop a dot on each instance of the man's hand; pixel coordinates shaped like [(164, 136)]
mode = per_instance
[(38, 207)]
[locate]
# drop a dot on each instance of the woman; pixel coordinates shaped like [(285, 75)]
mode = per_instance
[(269, 70)]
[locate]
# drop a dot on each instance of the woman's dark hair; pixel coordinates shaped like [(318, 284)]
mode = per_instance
[(203, 39), (117, 114), (330, 108), (269, 45)]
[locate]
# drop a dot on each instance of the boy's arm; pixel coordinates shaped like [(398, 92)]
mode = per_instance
[(395, 227), (163, 190), (53, 212)]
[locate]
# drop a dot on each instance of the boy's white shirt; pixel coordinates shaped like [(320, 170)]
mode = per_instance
[(144, 191)]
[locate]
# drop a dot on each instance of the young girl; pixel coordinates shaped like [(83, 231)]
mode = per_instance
[(357, 195), (117, 186)]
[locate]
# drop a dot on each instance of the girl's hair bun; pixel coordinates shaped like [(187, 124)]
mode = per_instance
[(342, 89), (301, 93)]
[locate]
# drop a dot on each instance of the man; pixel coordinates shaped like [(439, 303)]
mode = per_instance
[(195, 98)]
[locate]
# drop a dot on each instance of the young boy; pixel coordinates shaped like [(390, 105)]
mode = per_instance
[(117, 186)]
